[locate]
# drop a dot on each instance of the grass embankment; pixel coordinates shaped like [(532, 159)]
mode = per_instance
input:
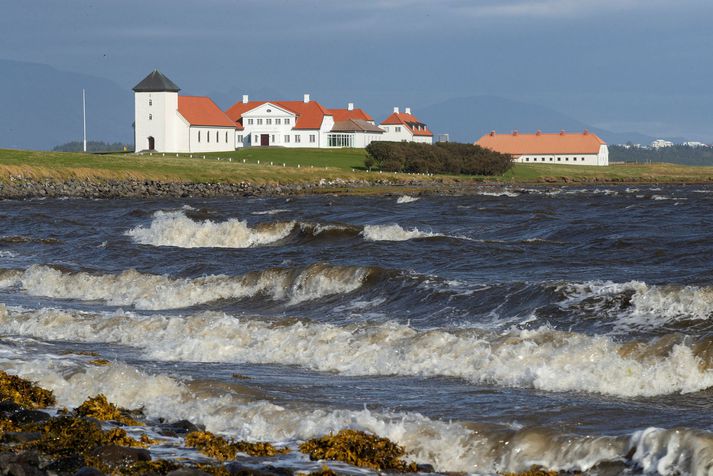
[(314, 165)]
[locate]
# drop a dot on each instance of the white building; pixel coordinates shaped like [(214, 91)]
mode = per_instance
[(695, 144), (405, 127), (564, 148), (167, 122), (303, 123), (660, 143)]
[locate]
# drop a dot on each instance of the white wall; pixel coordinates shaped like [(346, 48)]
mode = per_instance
[(263, 120), (564, 159), (225, 139), (396, 133), (156, 115), (423, 139)]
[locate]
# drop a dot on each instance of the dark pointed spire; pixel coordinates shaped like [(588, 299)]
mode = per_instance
[(156, 82)]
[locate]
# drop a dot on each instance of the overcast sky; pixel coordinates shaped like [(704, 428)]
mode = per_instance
[(643, 65)]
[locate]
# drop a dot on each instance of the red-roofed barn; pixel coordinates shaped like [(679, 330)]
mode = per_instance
[(582, 148)]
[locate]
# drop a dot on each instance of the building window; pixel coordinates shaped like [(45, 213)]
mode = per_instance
[(287, 139), (199, 136), (550, 159), (273, 138), (312, 138), (150, 102), (259, 122), (398, 129), (559, 159), (297, 139), (239, 138), (278, 121), (287, 120), (150, 117), (207, 134), (268, 121), (527, 159), (226, 137), (250, 122), (340, 140)]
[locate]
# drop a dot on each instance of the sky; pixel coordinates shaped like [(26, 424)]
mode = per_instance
[(623, 65)]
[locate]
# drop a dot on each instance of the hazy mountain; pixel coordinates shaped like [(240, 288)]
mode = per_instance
[(42, 107), (467, 119)]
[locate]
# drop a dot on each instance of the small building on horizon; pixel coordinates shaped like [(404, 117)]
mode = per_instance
[(582, 148)]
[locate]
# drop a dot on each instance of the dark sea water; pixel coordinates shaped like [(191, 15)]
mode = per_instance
[(568, 328)]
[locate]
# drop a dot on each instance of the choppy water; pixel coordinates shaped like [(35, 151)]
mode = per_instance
[(564, 327)]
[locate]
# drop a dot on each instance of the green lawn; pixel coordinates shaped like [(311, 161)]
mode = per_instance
[(314, 164)]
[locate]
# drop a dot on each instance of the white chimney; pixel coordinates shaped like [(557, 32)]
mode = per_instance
[(306, 97), (350, 106), (408, 110), (245, 98), (396, 110)]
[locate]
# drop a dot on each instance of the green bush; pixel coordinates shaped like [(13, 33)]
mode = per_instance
[(441, 158)]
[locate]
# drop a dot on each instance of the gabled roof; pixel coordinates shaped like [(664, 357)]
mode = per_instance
[(539, 143), (346, 114), (202, 111), (356, 125), (309, 114), (156, 82), (413, 124)]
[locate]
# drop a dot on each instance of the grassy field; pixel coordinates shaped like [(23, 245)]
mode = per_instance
[(301, 166)]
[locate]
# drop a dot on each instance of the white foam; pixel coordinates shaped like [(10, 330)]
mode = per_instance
[(176, 229), (154, 292), (274, 211), (406, 199), (7, 254), (543, 358), (393, 233), (678, 451), (649, 306), (501, 193)]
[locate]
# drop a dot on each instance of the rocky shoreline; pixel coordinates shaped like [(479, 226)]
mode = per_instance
[(23, 188)]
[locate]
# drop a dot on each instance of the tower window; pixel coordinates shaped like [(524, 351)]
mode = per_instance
[(150, 117), (150, 102)]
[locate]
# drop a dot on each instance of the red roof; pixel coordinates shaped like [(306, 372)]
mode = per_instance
[(347, 114), (309, 114), (539, 143), (411, 122), (202, 111)]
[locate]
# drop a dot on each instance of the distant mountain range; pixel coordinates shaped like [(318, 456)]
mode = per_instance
[(42, 108)]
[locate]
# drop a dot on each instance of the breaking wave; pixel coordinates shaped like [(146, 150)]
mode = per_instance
[(639, 305), (450, 446), (406, 199), (177, 229), (393, 233), (543, 358), (154, 292)]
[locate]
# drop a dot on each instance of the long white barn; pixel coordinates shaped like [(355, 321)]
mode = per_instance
[(167, 122), (583, 148)]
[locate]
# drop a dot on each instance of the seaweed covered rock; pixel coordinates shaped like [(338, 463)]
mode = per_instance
[(359, 449), (24, 392), (102, 409), (223, 450)]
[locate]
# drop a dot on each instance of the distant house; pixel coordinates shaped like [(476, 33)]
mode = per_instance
[(167, 122), (661, 143), (405, 127), (583, 148)]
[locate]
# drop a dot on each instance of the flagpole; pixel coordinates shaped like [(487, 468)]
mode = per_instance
[(84, 119)]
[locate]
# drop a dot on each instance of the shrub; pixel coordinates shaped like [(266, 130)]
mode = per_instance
[(448, 157)]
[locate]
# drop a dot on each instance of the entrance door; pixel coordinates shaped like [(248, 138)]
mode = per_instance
[(151, 143), (264, 139)]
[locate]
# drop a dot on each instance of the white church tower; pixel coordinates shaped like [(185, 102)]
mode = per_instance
[(156, 118)]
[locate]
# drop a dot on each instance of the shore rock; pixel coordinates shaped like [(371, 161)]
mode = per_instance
[(114, 455)]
